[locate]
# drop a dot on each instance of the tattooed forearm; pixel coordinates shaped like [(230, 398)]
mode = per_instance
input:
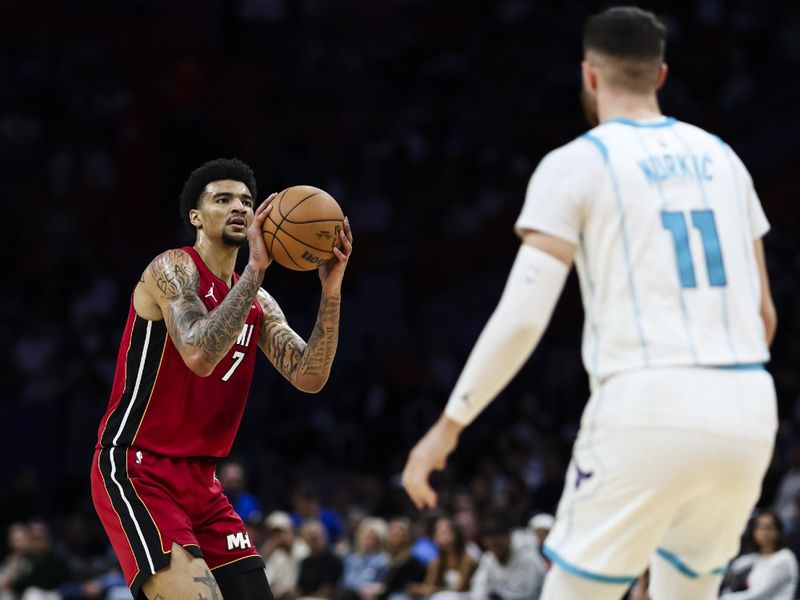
[(307, 365), (209, 581), (190, 324), (321, 347)]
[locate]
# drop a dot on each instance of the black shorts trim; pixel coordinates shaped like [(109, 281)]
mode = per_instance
[(246, 563), (142, 533)]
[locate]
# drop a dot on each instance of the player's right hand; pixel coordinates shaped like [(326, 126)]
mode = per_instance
[(430, 454), (260, 258)]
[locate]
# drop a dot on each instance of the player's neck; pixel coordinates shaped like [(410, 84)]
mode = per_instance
[(627, 106), (218, 257)]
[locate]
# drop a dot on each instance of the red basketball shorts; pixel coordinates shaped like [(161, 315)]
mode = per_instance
[(146, 502)]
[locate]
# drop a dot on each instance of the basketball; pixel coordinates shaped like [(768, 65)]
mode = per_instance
[(303, 228)]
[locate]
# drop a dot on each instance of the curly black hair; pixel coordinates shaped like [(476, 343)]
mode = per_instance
[(214, 170)]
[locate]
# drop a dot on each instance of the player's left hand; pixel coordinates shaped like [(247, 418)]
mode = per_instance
[(430, 454), (332, 272)]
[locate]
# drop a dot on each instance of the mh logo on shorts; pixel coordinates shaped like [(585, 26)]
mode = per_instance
[(239, 541)]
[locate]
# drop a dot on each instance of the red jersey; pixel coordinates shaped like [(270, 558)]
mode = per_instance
[(158, 404)]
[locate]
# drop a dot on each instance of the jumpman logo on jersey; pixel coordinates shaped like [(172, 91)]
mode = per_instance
[(582, 476), (210, 293)]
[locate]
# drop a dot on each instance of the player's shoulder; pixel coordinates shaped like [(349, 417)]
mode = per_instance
[(697, 132), (172, 259), (577, 154), (171, 271)]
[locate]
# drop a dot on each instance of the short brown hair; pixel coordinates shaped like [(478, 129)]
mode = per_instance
[(633, 40)]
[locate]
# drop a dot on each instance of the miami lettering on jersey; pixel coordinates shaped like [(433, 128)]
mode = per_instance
[(244, 337)]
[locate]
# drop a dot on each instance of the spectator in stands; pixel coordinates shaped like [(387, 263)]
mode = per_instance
[(282, 553), (785, 504), (421, 529), (15, 562), (364, 567), (505, 573), (539, 526), (46, 569), (404, 569), (467, 522), (452, 569), (108, 585), (347, 541), (234, 483), (321, 570), (768, 570), (307, 505)]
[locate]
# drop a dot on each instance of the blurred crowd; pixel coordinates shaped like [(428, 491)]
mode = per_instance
[(425, 122), (313, 551)]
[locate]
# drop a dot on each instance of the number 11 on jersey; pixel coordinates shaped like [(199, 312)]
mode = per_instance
[(704, 222)]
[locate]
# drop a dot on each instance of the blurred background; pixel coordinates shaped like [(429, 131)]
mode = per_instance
[(425, 119)]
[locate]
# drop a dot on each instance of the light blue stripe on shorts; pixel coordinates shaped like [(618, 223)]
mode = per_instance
[(578, 572), (683, 568), (741, 367)]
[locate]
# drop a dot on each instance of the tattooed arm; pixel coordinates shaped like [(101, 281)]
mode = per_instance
[(170, 284), (168, 290), (305, 364)]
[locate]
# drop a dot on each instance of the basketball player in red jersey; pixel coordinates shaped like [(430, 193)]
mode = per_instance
[(183, 373)]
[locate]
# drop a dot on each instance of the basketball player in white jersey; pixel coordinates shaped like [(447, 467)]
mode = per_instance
[(664, 226)]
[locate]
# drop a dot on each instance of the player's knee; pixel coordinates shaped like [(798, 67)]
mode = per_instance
[(561, 585), (250, 585), (667, 583)]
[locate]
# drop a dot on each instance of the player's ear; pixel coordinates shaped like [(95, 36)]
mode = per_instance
[(589, 74), (194, 218), (662, 75)]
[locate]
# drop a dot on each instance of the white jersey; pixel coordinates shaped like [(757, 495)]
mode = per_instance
[(664, 215)]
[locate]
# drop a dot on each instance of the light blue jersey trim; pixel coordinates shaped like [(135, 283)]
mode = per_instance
[(628, 267), (742, 367), (634, 123), (599, 144), (683, 568), (578, 572), (591, 313), (625, 245), (747, 239)]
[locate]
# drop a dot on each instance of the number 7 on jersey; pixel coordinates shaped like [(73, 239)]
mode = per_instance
[(237, 359), (704, 222)]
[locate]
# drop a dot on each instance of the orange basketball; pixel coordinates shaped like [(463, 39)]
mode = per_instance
[(303, 227)]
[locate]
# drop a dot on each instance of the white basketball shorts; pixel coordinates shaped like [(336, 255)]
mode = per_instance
[(667, 461)]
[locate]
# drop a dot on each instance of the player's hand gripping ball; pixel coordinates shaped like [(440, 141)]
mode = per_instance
[(303, 228)]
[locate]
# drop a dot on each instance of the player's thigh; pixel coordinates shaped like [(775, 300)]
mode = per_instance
[(669, 583), (706, 530), (186, 578), (224, 538), (622, 489)]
